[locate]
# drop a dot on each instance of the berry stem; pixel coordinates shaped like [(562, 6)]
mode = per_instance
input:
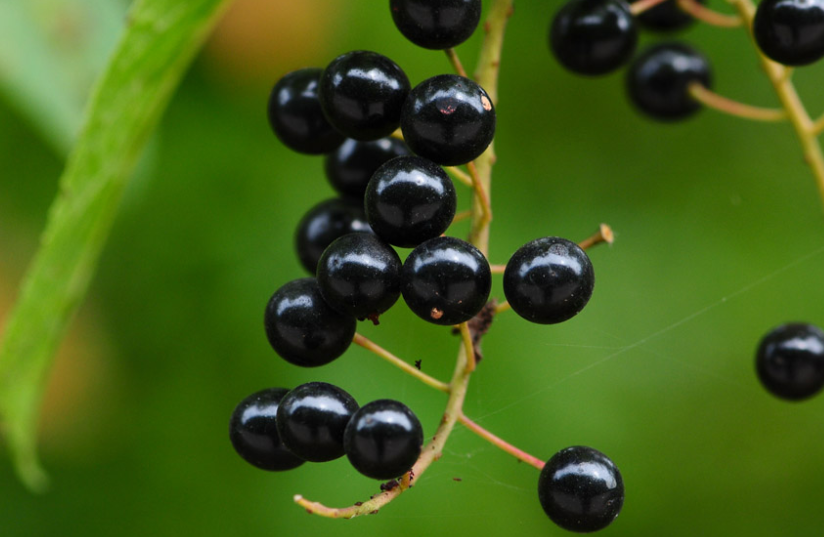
[(497, 269), (469, 347), (460, 175), (502, 307), (803, 125), (461, 216), (708, 15), (638, 7), (713, 100), (394, 360), (456, 62), (500, 443), (604, 234), (818, 126)]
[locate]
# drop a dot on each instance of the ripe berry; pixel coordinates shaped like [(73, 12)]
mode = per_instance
[(409, 200), (581, 489), (446, 281), (254, 435), (548, 280), (790, 32), (383, 439), (448, 119), (790, 361), (666, 17), (302, 328), (361, 94), (350, 166), (436, 24), (311, 420), (658, 80), (324, 223), (593, 37), (360, 275), (296, 117)]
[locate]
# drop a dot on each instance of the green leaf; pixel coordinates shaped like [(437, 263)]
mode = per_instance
[(159, 42)]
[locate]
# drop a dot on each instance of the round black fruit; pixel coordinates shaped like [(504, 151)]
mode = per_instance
[(325, 222), (790, 361), (446, 281), (360, 275), (383, 439), (448, 119), (549, 280), (436, 24), (790, 32), (409, 200), (311, 420), (361, 94), (254, 434), (581, 489), (302, 328), (658, 80), (296, 117), (350, 166), (593, 37)]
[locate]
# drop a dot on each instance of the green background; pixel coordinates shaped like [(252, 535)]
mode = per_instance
[(719, 238)]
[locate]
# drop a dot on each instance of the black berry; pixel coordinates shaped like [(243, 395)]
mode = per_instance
[(383, 439), (361, 94), (790, 32), (360, 275), (324, 223), (446, 281), (302, 328), (350, 166), (296, 117), (254, 434), (311, 420), (448, 119), (593, 37), (548, 280), (436, 24), (658, 80), (409, 200), (790, 361), (581, 489), (666, 17)]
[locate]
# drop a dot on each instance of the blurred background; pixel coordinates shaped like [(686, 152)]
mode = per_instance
[(719, 237)]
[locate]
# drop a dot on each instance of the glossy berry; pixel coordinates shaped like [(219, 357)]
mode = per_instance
[(311, 420), (436, 24), (254, 435), (383, 439), (296, 117), (360, 275), (446, 281), (409, 200), (324, 223), (548, 280), (581, 489), (302, 328), (666, 17), (361, 94), (790, 32), (658, 80), (593, 37), (448, 119), (350, 166), (790, 361)]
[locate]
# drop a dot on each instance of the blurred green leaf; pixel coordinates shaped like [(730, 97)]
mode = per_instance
[(157, 46)]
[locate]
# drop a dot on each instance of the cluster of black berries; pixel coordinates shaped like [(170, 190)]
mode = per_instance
[(596, 37), (395, 193)]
